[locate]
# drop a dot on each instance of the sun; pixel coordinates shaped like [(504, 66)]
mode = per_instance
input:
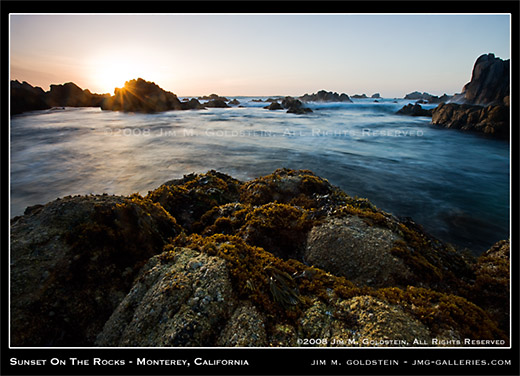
[(111, 72)]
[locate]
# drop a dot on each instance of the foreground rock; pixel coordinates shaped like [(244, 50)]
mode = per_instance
[(326, 96), (208, 260), (295, 106), (73, 261)]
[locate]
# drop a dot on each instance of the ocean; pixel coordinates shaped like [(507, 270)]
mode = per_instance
[(455, 184)]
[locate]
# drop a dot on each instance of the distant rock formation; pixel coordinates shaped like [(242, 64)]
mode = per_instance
[(212, 97), (141, 96), (376, 96), (71, 95), (359, 96), (325, 96), (492, 120), (428, 98), (274, 106), (234, 102), (216, 103), (208, 261), (192, 104), (414, 110), (295, 106), (25, 97), (489, 83)]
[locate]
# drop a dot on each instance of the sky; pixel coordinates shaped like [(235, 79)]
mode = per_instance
[(256, 54)]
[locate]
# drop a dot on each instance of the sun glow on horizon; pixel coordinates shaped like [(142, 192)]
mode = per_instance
[(109, 73)]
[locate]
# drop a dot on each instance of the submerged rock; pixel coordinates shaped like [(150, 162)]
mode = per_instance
[(208, 260), (274, 106)]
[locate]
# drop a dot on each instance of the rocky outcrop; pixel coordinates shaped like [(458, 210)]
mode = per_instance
[(325, 96), (73, 261), (492, 120), (213, 97), (295, 106), (428, 98), (489, 83), (414, 110), (359, 96), (191, 104), (71, 95), (216, 103), (376, 96), (25, 97), (274, 106), (483, 105), (234, 102), (208, 260), (141, 96)]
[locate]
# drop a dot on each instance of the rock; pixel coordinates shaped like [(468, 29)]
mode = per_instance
[(492, 120), (325, 96), (234, 102), (376, 96), (274, 106), (294, 106), (357, 96), (121, 271), (348, 247), (489, 83), (141, 96), (414, 110), (25, 97), (72, 262), (491, 288), (257, 100), (213, 97), (216, 103), (192, 104), (71, 95), (184, 298)]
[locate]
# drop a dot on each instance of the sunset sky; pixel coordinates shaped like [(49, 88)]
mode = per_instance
[(256, 54)]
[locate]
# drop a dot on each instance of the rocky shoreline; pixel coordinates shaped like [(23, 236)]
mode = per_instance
[(208, 260)]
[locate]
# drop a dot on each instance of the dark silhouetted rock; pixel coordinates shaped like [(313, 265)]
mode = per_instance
[(376, 96), (216, 103), (414, 110), (294, 106), (325, 96), (358, 96), (25, 97), (492, 120), (235, 102), (192, 104), (489, 82), (274, 106), (212, 97), (71, 95), (141, 96)]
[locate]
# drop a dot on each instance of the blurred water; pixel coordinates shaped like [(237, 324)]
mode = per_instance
[(455, 184)]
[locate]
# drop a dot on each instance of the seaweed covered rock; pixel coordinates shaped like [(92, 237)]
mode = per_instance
[(187, 199), (141, 96), (73, 260), (491, 288), (182, 298)]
